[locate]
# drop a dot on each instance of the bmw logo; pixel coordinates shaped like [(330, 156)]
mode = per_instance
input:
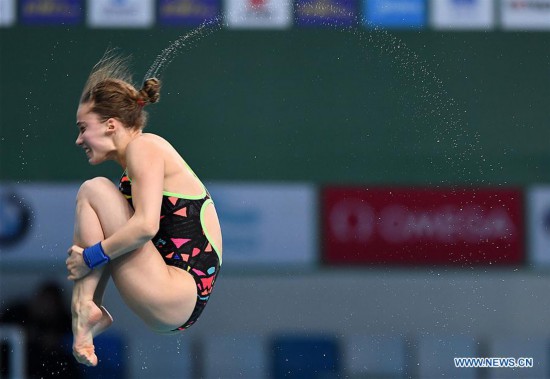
[(14, 218)]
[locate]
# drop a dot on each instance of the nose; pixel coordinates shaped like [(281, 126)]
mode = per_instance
[(79, 140)]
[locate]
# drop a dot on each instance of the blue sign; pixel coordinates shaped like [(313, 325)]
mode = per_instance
[(401, 14), (326, 12), (187, 12), (51, 12)]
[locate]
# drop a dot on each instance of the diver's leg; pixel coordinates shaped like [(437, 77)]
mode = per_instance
[(89, 316)]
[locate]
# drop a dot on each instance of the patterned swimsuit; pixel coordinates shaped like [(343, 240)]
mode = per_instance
[(183, 241)]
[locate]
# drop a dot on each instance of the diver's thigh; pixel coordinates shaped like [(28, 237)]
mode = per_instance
[(163, 296)]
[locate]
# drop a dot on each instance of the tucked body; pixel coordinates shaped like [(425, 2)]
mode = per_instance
[(157, 234)]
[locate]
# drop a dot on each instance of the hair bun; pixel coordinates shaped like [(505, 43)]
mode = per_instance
[(150, 90)]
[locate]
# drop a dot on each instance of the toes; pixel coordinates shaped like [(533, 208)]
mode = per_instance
[(86, 356), (92, 361)]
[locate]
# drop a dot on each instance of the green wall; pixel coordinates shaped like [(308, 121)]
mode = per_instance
[(314, 105)]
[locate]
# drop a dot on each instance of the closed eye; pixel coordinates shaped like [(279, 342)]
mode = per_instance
[(81, 127)]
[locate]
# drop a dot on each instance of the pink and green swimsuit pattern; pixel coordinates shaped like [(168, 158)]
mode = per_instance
[(183, 241)]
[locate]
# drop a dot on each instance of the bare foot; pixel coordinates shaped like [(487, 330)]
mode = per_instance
[(104, 323), (88, 320)]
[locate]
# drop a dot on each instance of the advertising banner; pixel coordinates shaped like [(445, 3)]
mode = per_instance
[(538, 200), (399, 14), (422, 226), (7, 13), (36, 223), (267, 225), (258, 14), (460, 14), (121, 13), (187, 12), (326, 12), (51, 12), (525, 14), (263, 225)]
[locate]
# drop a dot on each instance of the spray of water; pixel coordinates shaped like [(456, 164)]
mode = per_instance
[(451, 136), (183, 43)]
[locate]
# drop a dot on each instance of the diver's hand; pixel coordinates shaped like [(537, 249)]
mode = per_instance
[(76, 266)]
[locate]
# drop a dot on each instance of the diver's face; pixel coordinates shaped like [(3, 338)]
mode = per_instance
[(93, 135)]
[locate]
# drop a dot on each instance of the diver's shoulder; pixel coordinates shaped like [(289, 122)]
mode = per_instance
[(150, 138)]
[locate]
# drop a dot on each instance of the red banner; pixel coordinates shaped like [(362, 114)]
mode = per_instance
[(422, 226)]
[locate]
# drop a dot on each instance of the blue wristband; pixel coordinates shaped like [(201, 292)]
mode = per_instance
[(94, 256)]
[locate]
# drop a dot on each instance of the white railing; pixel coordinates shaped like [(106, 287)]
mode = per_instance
[(16, 341)]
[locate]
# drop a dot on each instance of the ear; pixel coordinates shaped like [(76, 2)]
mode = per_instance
[(112, 125)]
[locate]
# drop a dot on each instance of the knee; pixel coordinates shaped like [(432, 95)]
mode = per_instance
[(93, 187)]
